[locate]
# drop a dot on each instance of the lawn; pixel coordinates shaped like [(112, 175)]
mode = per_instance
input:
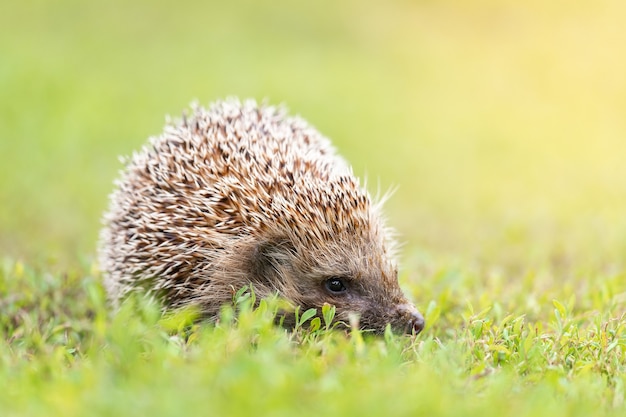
[(501, 124)]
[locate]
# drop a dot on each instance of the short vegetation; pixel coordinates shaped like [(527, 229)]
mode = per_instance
[(64, 354)]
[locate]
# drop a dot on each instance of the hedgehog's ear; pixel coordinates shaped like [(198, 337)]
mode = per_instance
[(271, 259)]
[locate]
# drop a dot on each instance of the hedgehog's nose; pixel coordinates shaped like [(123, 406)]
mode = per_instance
[(414, 320), (416, 323)]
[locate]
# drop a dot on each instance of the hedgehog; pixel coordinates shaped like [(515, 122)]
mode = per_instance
[(242, 194)]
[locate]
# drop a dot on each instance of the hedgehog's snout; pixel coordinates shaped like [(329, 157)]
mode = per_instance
[(416, 323), (414, 319)]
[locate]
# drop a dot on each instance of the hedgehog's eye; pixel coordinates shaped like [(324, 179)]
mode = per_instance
[(335, 285)]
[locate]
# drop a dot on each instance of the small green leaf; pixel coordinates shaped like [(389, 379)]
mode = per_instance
[(328, 312), (315, 325), (306, 316), (560, 307)]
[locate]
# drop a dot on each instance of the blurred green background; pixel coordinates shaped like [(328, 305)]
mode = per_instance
[(502, 123)]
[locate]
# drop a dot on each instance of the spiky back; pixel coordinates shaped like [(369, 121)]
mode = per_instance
[(235, 170)]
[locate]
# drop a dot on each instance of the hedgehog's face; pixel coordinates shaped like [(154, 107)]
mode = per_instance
[(357, 296), (356, 279)]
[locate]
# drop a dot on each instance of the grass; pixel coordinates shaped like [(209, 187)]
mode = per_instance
[(501, 122), (63, 354)]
